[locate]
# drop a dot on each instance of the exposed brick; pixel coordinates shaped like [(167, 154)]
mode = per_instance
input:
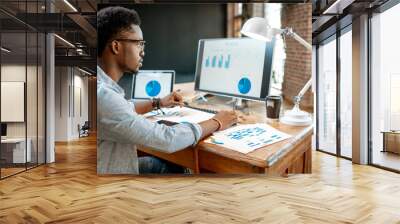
[(298, 59)]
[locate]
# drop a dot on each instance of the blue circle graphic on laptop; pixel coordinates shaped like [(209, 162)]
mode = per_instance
[(244, 85), (153, 88)]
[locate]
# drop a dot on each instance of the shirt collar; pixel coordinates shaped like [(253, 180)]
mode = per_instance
[(102, 77)]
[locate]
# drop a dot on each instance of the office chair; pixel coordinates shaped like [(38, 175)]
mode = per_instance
[(84, 130)]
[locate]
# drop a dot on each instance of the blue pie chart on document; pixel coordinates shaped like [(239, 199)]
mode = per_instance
[(153, 88), (244, 85)]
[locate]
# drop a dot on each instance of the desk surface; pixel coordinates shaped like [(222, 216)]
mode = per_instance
[(280, 155), (13, 140), (262, 157)]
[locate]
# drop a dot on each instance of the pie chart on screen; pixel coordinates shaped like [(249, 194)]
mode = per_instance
[(244, 85), (153, 88)]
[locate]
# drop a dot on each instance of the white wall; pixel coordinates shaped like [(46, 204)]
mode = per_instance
[(70, 84), (34, 125), (14, 72), (61, 103)]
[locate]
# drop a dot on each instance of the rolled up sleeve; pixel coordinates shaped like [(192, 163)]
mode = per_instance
[(118, 122)]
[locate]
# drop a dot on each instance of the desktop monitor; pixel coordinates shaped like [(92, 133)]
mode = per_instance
[(3, 130), (153, 84), (237, 67)]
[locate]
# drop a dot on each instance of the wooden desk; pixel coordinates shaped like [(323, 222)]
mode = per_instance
[(289, 156), (14, 152), (391, 141)]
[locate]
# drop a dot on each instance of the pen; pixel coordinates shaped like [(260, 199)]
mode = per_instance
[(162, 111)]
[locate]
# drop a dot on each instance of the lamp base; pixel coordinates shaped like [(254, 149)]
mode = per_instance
[(296, 117)]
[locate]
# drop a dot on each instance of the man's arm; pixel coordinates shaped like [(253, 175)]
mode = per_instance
[(143, 107), (146, 106), (221, 121), (118, 123)]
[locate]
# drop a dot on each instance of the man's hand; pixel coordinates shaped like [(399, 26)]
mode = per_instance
[(227, 119), (172, 99)]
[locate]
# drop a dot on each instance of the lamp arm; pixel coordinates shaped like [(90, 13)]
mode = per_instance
[(289, 32), (297, 98), (305, 88)]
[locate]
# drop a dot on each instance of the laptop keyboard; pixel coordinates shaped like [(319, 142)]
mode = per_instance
[(202, 109)]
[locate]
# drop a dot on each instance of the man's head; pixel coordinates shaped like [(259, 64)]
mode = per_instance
[(120, 37)]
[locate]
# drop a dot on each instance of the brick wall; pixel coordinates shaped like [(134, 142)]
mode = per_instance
[(298, 58)]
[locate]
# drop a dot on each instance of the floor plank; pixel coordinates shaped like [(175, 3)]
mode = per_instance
[(69, 191)]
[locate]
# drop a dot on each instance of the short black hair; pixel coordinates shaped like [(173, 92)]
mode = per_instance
[(111, 21)]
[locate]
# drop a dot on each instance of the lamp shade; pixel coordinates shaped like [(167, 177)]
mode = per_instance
[(258, 28)]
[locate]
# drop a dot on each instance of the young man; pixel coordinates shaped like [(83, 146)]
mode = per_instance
[(120, 125)]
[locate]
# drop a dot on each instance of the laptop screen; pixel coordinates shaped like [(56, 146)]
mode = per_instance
[(153, 84)]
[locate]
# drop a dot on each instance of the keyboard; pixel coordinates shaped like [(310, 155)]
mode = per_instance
[(202, 109)]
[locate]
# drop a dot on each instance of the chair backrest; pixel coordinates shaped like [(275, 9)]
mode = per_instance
[(86, 125)]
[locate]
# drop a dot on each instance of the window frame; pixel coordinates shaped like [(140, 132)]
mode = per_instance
[(379, 10), (332, 37)]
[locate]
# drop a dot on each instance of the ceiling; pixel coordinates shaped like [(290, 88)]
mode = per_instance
[(72, 20), (330, 15)]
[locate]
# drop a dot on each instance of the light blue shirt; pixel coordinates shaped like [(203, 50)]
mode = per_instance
[(120, 129)]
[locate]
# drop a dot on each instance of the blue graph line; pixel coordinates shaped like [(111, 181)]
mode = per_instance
[(214, 61), (220, 61), (228, 61)]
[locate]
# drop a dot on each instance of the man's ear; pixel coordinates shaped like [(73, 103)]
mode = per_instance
[(115, 48)]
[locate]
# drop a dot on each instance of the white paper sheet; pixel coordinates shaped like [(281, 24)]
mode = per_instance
[(246, 138), (180, 114)]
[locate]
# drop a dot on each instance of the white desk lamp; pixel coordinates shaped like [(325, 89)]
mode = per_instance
[(259, 28)]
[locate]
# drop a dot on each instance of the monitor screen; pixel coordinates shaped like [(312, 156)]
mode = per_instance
[(153, 84), (3, 129), (239, 67)]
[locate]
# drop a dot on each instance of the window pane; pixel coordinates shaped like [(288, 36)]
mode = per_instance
[(41, 98), (31, 96), (346, 94), (273, 15), (15, 150), (327, 97), (385, 85)]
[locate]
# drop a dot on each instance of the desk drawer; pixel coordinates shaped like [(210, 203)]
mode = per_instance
[(16, 152), (391, 142)]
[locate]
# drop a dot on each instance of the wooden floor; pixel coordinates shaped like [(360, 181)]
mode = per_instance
[(386, 159), (69, 191), (10, 171)]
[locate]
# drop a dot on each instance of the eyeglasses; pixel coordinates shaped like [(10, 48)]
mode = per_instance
[(140, 43)]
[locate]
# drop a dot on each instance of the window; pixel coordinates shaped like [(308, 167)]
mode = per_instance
[(273, 15), (326, 96), (346, 93), (334, 94), (22, 75), (385, 87)]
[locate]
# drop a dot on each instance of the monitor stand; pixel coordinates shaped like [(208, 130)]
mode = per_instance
[(240, 105), (200, 97)]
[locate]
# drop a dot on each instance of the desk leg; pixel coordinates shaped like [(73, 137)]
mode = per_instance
[(303, 163), (307, 161), (296, 161), (196, 160)]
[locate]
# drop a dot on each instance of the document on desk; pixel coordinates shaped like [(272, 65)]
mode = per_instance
[(180, 114), (248, 137)]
